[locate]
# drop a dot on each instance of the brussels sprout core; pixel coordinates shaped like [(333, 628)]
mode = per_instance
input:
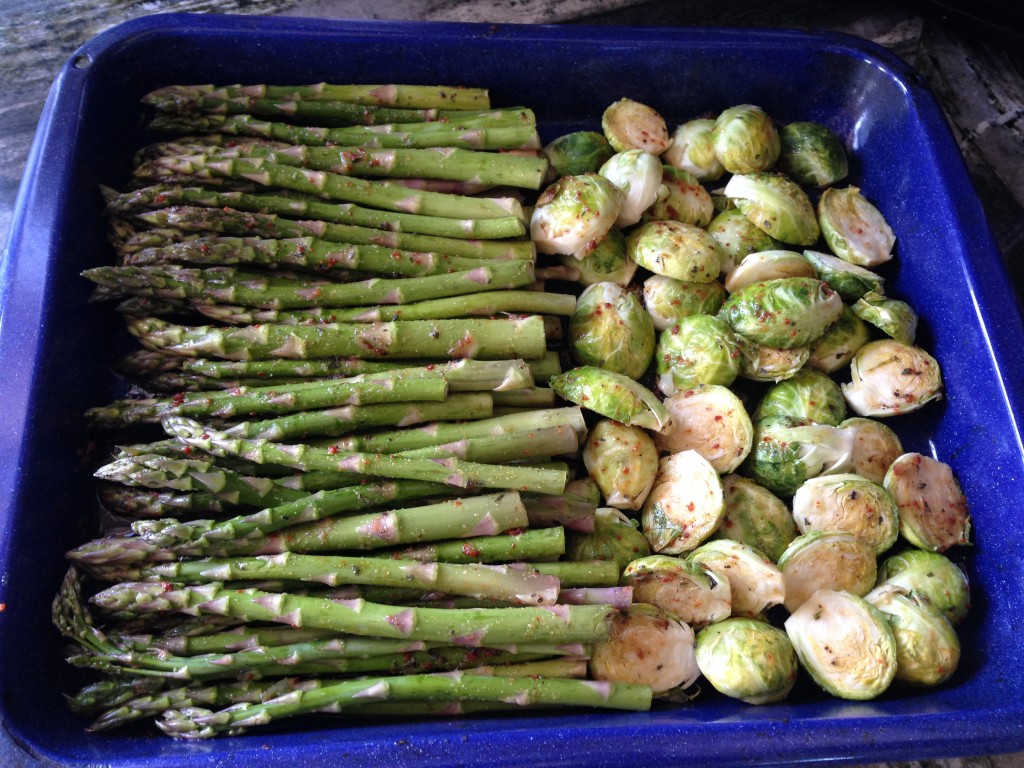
[(854, 229), (711, 420), (826, 560), (890, 378)]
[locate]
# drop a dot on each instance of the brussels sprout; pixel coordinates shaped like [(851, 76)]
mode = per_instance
[(647, 647), (853, 228), (927, 647), (768, 265), (677, 250), (685, 505), (808, 396), (848, 280), (875, 447), (826, 560), (845, 644), (849, 503), (686, 590), (628, 124), (812, 154), (895, 318), (669, 300), (889, 378), (693, 150), (637, 176), (712, 421), (745, 139), (756, 517), (776, 205), (747, 660), (613, 395), (756, 583), (583, 489), (785, 313), (699, 349), (574, 212), (623, 461), (606, 263), (933, 509), (610, 328), (737, 236), (577, 153), (835, 348), (681, 198), (788, 452), (771, 364), (931, 577), (614, 538)]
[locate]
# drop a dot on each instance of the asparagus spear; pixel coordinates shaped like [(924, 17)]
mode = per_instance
[(179, 98), (440, 339), (230, 285), (142, 503), (239, 224), (414, 385), (447, 163), (165, 195), (532, 545)]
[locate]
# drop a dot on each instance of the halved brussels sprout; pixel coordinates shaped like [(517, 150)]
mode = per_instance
[(669, 300), (768, 265), (755, 516), (693, 150), (686, 590), (712, 421), (771, 364), (577, 153), (845, 644), (875, 447), (835, 348), (685, 505), (699, 349), (583, 489), (623, 460), (931, 577), (895, 318), (681, 198), (677, 250), (785, 313), (747, 660), (787, 452), (826, 560), (754, 580), (745, 139), (614, 538), (637, 176), (776, 205), (629, 124), (889, 377), (812, 154), (927, 647), (854, 229), (611, 329), (933, 509), (613, 395), (849, 503), (647, 647), (848, 280), (737, 236), (573, 212), (606, 263), (808, 396)]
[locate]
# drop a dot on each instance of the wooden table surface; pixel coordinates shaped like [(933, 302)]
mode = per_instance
[(976, 72)]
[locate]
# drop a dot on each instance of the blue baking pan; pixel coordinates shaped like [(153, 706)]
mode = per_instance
[(55, 351)]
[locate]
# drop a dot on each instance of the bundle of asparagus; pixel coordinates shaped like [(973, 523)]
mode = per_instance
[(361, 499)]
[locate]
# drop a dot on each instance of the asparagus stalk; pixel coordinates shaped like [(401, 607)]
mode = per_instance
[(182, 98), (238, 224), (413, 385), (532, 544), (524, 691), (235, 286), (140, 503), (166, 195), (440, 339)]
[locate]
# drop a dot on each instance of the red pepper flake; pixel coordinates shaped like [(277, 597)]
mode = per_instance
[(333, 449)]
